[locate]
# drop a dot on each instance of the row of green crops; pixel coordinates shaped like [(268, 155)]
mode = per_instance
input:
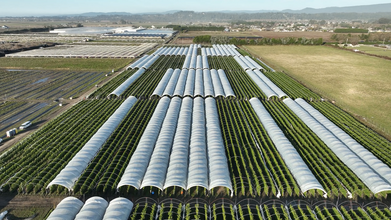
[(331, 172), (291, 87), (110, 86), (375, 143), (249, 175), (31, 164), (275, 163), (256, 166), (106, 169), (224, 209)]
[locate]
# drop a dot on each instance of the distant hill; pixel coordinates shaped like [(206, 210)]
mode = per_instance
[(351, 9), (93, 14)]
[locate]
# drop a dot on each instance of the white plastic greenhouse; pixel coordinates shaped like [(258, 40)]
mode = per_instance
[(125, 85), (72, 171), (118, 209), (370, 177), (299, 169), (374, 162), (93, 209), (67, 209)]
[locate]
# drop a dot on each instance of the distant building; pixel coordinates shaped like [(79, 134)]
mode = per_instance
[(4, 27)]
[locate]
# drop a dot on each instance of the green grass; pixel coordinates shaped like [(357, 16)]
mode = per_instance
[(358, 83), (106, 64)]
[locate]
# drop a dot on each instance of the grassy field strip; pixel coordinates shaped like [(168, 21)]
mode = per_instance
[(357, 83)]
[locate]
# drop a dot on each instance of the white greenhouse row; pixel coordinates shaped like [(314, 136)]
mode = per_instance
[(220, 50), (195, 62), (247, 63), (144, 62), (266, 65), (376, 164), (95, 208), (178, 51), (72, 171), (193, 83), (299, 169), (125, 85), (265, 84), (179, 148), (374, 174), (91, 51)]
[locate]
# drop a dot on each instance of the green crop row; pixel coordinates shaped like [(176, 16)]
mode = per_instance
[(331, 172), (372, 141), (30, 165), (106, 169)]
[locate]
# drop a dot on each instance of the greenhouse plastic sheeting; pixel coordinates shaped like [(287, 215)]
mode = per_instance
[(158, 51), (157, 168), (213, 52), (193, 62), (190, 81), (273, 86), (93, 209), (180, 86), (205, 64), (369, 177), (199, 83), (203, 51), (178, 166), (217, 86), (199, 62), (125, 85), (266, 65), (261, 84), (365, 155), (249, 59), (198, 164), (133, 65), (208, 84), (169, 91), (149, 63), (247, 63), (218, 165), (163, 83), (72, 171), (208, 52), (176, 51), (180, 52), (186, 63), (139, 161), (241, 63), (118, 209), (67, 209), (185, 51), (299, 169), (228, 91)]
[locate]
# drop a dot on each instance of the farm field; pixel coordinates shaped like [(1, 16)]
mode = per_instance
[(357, 83), (373, 50), (190, 133), (27, 95), (106, 64)]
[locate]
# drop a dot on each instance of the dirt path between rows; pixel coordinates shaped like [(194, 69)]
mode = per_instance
[(21, 201)]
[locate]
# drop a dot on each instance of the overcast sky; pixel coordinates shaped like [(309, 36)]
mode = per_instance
[(56, 7)]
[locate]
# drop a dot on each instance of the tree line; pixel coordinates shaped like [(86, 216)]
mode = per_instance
[(259, 41)]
